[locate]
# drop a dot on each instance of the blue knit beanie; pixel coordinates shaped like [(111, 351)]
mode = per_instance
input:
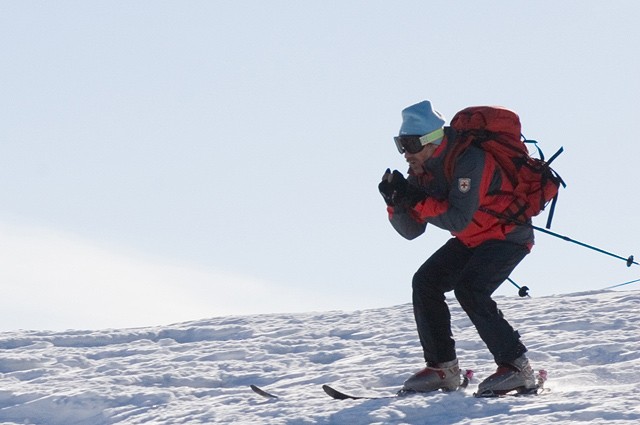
[(421, 119)]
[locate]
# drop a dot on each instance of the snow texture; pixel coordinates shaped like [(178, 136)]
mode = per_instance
[(199, 372)]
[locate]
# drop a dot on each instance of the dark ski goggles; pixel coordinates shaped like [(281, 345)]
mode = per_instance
[(414, 144), (409, 144)]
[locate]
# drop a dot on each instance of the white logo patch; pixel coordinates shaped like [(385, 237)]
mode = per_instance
[(464, 185)]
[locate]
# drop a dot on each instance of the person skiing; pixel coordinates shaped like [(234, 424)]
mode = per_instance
[(473, 264)]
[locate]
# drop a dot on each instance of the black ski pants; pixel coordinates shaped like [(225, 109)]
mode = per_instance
[(473, 274)]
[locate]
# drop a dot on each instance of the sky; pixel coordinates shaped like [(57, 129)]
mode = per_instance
[(163, 161)]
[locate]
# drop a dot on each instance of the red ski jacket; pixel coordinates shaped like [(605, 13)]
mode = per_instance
[(456, 205)]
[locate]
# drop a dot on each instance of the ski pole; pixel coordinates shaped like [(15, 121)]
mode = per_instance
[(523, 291), (628, 260), (622, 284)]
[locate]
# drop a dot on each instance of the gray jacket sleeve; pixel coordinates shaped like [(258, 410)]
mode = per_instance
[(405, 224)]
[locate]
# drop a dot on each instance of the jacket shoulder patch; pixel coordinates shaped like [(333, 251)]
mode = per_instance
[(464, 184)]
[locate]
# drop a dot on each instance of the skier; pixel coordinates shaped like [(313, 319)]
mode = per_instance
[(474, 263)]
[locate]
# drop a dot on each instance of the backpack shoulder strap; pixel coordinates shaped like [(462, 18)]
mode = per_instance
[(457, 142)]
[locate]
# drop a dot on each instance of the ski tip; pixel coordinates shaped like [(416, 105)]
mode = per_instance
[(333, 393), (339, 395), (262, 392)]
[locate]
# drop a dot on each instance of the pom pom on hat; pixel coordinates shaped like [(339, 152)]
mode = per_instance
[(421, 119)]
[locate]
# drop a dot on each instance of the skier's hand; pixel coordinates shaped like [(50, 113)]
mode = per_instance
[(396, 190), (386, 188), (404, 194)]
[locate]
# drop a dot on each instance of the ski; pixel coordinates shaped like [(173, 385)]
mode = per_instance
[(262, 392), (541, 378), (339, 395)]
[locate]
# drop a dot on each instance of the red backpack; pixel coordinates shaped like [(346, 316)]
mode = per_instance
[(498, 131)]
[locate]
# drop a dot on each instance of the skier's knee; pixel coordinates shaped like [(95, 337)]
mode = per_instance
[(422, 284), (467, 297)]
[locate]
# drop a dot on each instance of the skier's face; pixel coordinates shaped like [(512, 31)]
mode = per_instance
[(416, 160)]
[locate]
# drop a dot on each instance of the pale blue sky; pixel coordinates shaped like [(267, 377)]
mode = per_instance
[(164, 161)]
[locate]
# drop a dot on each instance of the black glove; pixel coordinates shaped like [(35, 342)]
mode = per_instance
[(397, 191), (386, 188)]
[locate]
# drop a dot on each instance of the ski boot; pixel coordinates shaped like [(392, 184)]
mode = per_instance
[(436, 376), (514, 376)]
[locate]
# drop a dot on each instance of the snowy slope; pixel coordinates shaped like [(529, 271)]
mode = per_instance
[(200, 372)]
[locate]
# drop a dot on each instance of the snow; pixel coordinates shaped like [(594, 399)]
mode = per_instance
[(199, 372)]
